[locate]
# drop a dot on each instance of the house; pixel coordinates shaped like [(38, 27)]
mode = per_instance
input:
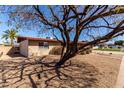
[(105, 45), (30, 46)]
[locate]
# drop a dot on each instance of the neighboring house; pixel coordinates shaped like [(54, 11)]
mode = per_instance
[(37, 46), (104, 45)]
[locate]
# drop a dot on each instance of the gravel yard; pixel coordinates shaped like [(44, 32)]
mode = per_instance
[(92, 70)]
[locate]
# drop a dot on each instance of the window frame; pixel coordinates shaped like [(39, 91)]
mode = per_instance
[(43, 45)]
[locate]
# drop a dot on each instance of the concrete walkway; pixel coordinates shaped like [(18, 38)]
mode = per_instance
[(120, 79), (107, 52)]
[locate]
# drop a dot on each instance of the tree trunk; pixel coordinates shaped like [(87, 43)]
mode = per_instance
[(12, 42), (62, 61)]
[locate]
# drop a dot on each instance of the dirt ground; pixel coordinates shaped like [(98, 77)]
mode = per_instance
[(82, 71), (107, 65)]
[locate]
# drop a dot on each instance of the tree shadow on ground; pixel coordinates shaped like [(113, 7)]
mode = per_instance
[(41, 73)]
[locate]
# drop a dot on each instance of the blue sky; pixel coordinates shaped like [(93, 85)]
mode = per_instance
[(30, 33), (3, 27)]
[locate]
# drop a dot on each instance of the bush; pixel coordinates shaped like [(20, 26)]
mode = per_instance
[(85, 52), (82, 53), (56, 50)]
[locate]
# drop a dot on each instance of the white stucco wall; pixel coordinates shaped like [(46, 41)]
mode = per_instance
[(24, 48), (35, 50)]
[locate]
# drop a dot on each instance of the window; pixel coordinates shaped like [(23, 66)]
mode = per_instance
[(41, 44), (44, 45)]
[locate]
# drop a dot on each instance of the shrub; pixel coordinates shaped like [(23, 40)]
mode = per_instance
[(82, 53), (56, 50), (85, 52)]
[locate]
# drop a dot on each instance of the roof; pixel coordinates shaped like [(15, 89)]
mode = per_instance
[(21, 38)]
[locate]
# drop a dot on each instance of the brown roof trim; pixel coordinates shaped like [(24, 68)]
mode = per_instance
[(21, 38)]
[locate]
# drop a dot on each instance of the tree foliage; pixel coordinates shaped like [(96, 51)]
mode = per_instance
[(10, 34), (119, 42)]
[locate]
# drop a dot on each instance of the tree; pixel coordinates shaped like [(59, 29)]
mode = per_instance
[(82, 18), (119, 42), (94, 23), (10, 34)]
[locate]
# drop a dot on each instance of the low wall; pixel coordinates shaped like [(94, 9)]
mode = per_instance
[(24, 48)]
